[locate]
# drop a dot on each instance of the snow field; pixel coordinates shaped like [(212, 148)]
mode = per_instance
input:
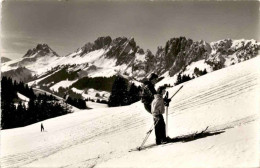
[(63, 84), (91, 93), (225, 100), (95, 105)]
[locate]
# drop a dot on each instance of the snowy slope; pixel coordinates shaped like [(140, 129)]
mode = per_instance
[(95, 105), (225, 100), (63, 84), (92, 94)]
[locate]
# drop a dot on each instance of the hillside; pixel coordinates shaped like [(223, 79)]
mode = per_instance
[(226, 101)]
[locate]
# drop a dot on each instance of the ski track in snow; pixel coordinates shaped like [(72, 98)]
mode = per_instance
[(226, 91), (88, 131)]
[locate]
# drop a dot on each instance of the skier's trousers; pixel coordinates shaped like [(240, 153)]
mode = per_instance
[(160, 129)]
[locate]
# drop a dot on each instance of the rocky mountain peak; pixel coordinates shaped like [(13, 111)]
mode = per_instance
[(179, 52), (123, 49), (228, 52), (40, 50), (5, 59), (101, 42), (140, 51)]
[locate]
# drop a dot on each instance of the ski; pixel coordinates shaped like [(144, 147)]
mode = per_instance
[(142, 148), (172, 140), (204, 130)]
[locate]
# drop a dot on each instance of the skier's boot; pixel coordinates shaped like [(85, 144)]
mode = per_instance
[(158, 142), (164, 141), (168, 139)]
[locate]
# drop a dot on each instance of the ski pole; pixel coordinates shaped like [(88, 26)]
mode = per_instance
[(147, 135), (176, 92), (167, 121), (167, 95)]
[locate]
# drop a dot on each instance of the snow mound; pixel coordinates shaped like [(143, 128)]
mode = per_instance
[(22, 97), (226, 101)]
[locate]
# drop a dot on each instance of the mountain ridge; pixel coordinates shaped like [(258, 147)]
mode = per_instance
[(106, 57)]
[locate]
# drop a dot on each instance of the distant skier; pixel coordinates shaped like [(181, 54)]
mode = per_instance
[(157, 109), (42, 128), (149, 91)]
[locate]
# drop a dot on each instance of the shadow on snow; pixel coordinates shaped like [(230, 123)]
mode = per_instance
[(186, 138)]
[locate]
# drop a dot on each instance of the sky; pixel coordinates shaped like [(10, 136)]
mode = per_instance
[(67, 25)]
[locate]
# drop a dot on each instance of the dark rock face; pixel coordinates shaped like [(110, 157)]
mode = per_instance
[(123, 50), (150, 61), (223, 47), (101, 42), (191, 52), (178, 53), (41, 50), (140, 51)]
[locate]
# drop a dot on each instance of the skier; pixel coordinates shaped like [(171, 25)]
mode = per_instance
[(157, 109), (42, 128), (149, 91)]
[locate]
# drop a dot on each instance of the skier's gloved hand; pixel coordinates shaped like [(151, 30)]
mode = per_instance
[(155, 118), (167, 102)]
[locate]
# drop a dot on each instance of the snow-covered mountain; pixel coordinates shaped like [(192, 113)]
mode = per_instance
[(179, 53), (5, 59), (37, 60), (107, 57), (229, 52), (226, 101), (19, 74)]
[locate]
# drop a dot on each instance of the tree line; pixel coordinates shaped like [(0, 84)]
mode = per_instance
[(184, 78), (122, 94), (15, 113), (79, 103)]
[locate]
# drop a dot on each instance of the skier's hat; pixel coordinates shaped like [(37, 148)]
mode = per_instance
[(153, 76), (160, 89)]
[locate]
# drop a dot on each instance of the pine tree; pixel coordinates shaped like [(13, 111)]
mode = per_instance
[(19, 115), (133, 94), (179, 79), (204, 72), (119, 94)]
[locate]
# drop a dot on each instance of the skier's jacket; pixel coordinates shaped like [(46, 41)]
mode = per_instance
[(158, 105), (148, 93)]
